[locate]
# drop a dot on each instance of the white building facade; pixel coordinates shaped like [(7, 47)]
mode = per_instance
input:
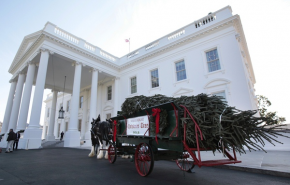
[(208, 56)]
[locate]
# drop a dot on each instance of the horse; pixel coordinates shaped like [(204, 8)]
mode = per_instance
[(100, 132)]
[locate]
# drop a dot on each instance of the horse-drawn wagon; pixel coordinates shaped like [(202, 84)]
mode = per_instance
[(147, 144)]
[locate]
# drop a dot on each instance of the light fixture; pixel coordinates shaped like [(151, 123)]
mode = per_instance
[(61, 111)]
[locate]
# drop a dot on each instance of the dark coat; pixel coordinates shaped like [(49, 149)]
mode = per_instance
[(17, 136), (11, 136)]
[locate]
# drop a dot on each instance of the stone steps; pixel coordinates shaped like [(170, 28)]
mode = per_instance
[(51, 144)]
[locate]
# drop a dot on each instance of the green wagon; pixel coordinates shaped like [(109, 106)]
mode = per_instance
[(148, 146)]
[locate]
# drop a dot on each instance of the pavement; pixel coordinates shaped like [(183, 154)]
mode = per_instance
[(61, 166), (274, 162)]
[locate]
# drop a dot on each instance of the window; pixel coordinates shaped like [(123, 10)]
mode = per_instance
[(133, 85), (67, 105), (108, 116), (180, 70), (213, 61), (47, 113), (109, 93), (81, 101), (154, 78), (222, 94)]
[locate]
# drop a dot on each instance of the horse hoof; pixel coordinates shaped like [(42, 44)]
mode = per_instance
[(91, 155)]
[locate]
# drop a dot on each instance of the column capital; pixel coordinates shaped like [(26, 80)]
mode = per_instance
[(116, 78), (43, 49), (77, 63), (11, 80), (21, 72), (54, 90), (30, 62), (94, 69)]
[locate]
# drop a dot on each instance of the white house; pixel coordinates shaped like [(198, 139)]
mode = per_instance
[(209, 56)]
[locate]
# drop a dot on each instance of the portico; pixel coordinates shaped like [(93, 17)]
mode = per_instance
[(43, 61)]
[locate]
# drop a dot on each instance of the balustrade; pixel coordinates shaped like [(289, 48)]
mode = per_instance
[(176, 34), (107, 56), (152, 45), (66, 35), (133, 54), (90, 47), (211, 17), (189, 29)]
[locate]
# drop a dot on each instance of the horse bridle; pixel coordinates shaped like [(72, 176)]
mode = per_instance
[(92, 131)]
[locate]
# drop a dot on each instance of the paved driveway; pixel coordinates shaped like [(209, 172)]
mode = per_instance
[(72, 166)]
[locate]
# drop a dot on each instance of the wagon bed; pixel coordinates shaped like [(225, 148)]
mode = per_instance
[(170, 145)]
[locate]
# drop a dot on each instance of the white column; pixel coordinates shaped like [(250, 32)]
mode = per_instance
[(116, 96), (22, 120), (16, 102), (8, 108), (94, 94), (33, 133), (5, 123), (72, 136), (93, 103), (84, 118), (50, 135)]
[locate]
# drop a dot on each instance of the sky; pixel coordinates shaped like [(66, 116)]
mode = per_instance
[(107, 24)]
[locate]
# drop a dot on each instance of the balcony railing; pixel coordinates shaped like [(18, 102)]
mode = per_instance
[(204, 22)]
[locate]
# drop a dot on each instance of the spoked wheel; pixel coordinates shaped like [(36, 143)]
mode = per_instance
[(186, 163), (144, 159), (112, 153)]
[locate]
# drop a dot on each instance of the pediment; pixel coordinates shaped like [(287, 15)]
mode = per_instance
[(217, 82), (108, 108), (27, 42), (182, 91)]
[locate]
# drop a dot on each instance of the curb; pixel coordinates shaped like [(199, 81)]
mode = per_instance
[(255, 170)]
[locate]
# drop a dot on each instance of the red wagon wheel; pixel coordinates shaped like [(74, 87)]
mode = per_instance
[(112, 153), (186, 163), (144, 159)]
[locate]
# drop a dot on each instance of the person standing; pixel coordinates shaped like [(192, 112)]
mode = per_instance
[(10, 141), (61, 135), (15, 144)]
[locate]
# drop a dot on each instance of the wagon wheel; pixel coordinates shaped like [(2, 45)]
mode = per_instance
[(186, 162), (112, 153), (144, 159)]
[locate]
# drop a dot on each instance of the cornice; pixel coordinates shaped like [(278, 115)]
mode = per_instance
[(203, 32), (242, 40), (196, 35), (16, 62), (79, 50)]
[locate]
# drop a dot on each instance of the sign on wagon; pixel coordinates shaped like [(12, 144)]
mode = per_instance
[(138, 126)]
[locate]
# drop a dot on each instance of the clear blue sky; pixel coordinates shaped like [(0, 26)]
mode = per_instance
[(107, 23)]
